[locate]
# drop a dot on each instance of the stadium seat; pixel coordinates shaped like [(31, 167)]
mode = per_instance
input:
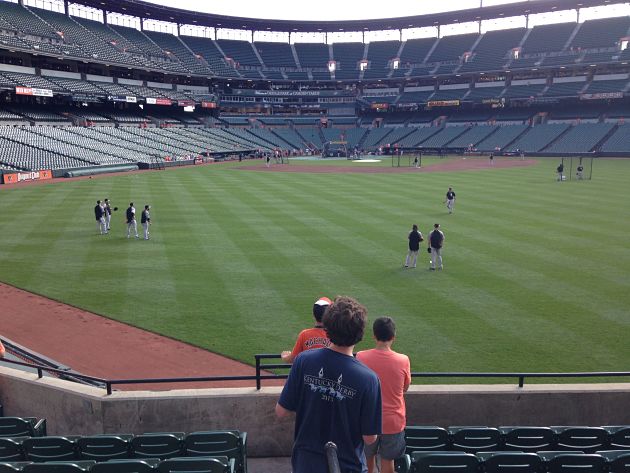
[(58, 467), (103, 447), (528, 439), (444, 462), (403, 464), (197, 465), (11, 467), (618, 461), (586, 439), (22, 427), (229, 443), (147, 465), (11, 449), (576, 463), (474, 439), (422, 439), (46, 449), (511, 462), (158, 445), (618, 436)]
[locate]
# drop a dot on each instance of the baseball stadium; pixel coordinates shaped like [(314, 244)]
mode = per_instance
[(246, 163)]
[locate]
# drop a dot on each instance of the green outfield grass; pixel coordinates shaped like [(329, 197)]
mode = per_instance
[(537, 273)]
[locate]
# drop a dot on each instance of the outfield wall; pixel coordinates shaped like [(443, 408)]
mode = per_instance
[(71, 408)]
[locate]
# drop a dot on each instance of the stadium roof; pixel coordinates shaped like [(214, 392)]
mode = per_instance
[(148, 10)]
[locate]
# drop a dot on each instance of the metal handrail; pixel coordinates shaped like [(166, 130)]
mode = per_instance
[(260, 367)]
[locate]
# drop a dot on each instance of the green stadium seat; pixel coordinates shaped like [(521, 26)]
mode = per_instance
[(618, 460), (47, 449), (576, 463), (586, 439), (12, 467), (230, 443), (11, 449), (22, 427), (528, 439), (157, 445), (426, 438), (403, 464), (618, 436), (511, 462), (146, 465), (197, 465), (103, 447), (58, 467), (474, 439), (444, 462)]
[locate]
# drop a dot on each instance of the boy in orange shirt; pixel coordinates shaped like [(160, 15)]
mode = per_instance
[(311, 337), (394, 371)]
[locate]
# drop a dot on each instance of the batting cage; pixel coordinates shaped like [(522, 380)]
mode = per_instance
[(578, 168)]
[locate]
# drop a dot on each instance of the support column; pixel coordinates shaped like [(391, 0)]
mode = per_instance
[(527, 21), (438, 28), (141, 24), (104, 16), (179, 29), (577, 10), (66, 6)]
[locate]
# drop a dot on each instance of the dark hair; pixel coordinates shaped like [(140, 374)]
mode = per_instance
[(437, 225), (98, 202), (384, 329), (415, 227), (344, 321), (146, 207), (130, 204)]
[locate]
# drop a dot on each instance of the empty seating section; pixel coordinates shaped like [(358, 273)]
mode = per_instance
[(449, 94), (607, 86), (89, 45), (239, 51), (23, 20), (376, 138), (474, 135), (312, 54), (582, 137), (491, 53), (548, 38), (416, 96), (31, 80), (417, 136), (601, 33), (523, 91), (275, 54), (416, 50), (451, 48), (481, 93), (311, 136), (564, 89), (177, 50), (380, 53), (289, 136), (347, 56), (538, 137), (207, 49), (501, 138), (444, 137), (619, 141)]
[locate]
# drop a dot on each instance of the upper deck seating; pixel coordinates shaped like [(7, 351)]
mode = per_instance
[(312, 54)]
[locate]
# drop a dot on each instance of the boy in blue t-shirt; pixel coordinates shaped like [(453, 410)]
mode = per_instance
[(335, 397)]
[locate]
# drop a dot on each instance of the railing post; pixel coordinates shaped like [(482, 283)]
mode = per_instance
[(257, 373), (40, 373), (108, 385), (521, 381)]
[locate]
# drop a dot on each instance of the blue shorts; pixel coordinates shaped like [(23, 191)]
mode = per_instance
[(388, 446)]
